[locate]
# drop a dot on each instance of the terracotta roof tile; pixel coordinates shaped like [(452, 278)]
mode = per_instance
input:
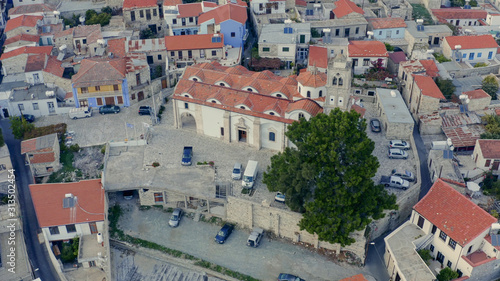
[(48, 202), (464, 136), (54, 67), (193, 42), (225, 12), (471, 42), (490, 148), (359, 110), (133, 4), (35, 62), (477, 94), (428, 87), (309, 79), (117, 47), (345, 7), (453, 213), (430, 67), (29, 21), (318, 56), (40, 158), (50, 29), (397, 57), (27, 50), (358, 277), (454, 13), (383, 23), (28, 145), (30, 9), (100, 71), (167, 3), (22, 37), (300, 3), (190, 10), (367, 49)]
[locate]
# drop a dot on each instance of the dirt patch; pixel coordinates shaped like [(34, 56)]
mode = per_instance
[(89, 161)]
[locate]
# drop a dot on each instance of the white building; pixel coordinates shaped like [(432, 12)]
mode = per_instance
[(364, 53), (472, 48), (263, 7)]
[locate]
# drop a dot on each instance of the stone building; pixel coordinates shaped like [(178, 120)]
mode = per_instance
[(42, 154), (142, 14)]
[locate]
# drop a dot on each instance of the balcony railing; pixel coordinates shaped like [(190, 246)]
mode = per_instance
[(100, 94), (140, 86)]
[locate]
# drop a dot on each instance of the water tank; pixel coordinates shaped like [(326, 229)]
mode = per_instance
[(99, 238)]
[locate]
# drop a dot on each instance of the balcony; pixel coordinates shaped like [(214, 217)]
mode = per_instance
[(140, 86), (100, 94)]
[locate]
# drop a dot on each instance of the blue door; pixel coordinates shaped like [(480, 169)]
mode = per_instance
[(471, 56), (490, 55)]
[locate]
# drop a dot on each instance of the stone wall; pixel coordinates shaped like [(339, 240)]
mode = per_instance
[(284, 224), (53, 80)]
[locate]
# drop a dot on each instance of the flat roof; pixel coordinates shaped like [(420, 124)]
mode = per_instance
[(124, 172), (38, 92), (275, 33), (411, 26), (89, 248), (400, 243), (394, 107)]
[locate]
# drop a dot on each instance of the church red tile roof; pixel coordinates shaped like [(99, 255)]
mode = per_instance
[(477, 94), (453, 213), (27, 50), (454, 13), (22, 37), (54, 67), (311, 79)]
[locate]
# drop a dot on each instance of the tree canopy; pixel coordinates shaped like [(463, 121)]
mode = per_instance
[(19, 126), (490, 86), (446, 86), (328, 176), (492, 127)]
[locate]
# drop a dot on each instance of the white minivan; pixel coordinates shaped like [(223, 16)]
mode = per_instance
[(250, 174), (80, 112)]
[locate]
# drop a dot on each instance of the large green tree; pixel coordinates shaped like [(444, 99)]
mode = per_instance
[(446, 86), (490, 86), (327, 177), (19, 126), (492, 127)]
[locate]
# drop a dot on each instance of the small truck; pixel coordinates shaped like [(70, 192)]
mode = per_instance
[(255, 237), (394, 181)]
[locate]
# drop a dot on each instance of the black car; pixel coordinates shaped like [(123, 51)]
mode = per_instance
[(375, 125), (289, 277), (145, 110), (224, 233), (105, 109), (30, 118)]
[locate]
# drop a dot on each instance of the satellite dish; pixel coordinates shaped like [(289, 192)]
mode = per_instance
[(449, 142), (369, 33), (472, 186), (467, 100), (462, 97)]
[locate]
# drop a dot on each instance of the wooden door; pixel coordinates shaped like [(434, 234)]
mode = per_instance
[(110, 100)]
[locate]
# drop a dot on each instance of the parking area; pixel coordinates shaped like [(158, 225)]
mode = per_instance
[(264, 263)]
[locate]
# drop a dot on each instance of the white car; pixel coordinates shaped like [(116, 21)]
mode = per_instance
[(237, 171), (401, 144), (396, 153)]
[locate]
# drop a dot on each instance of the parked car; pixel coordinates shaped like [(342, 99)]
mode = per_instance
[(255, 237), (224, 233), (128, 194), (289, 277), (145, 110), (237, 171), (30, 118), (394, 181), (401, 144), (404, 174), (375, 125), (80, 112), (105, 109), (279, 197), (396, 153), (187, 155), (175, 218)]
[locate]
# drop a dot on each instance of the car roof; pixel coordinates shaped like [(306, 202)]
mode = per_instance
[(395, 150), (227, 226), (237, 165), (176, 211)]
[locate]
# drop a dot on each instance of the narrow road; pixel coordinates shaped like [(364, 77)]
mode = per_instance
[(37, 253), (424, 169), (374, 262)]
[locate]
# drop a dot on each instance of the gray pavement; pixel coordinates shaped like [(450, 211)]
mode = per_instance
[(265, 263)]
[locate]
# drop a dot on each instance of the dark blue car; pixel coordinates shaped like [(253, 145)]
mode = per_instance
[(224, 233)]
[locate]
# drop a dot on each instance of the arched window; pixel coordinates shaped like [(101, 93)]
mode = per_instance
[(334, 81), (221, 84), (214, 101), (279, 95), (301, 115), (272, 136), (320, 94), (186, 96), (250, 90), (271, 113), (341, 82), (195, 79), (308, 94), (242, 107)]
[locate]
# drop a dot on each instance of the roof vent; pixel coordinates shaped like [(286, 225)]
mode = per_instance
[(393, 94), (49, 93), (32, 96)]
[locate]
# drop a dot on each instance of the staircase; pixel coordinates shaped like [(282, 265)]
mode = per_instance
[(426, 242)]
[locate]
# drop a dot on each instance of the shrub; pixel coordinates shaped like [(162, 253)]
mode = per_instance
[(103, 149), (156, 164), (425, 254), (74, 148), (446, 274)]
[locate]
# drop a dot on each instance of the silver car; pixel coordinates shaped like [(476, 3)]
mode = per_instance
[(175, 218), (404, 174), (396, 153), (237, 171), (401, 144)]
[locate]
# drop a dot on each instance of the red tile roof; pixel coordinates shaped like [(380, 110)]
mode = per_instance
[(471, 42), (359, 110), (225, 12), (497, 111), (190, 10), (431, 68), (464, 136), (27, 50), (100, 71), (54, 67), (133, 4), (318, 56), (31, 9), (383, 23), (310, 79), (117, 47), (428, 87), (300, 3), (43, 158), (367, 49), (35, 62), (454, 13), (192, 42), (397, 57), (490, 148), (48, 202), (28, 145), (345, 7), (358, 277), (477, 94), (29, 21), (22, 37), (453, 213), (167, 3)]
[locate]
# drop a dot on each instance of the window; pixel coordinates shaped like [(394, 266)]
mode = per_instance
[(172, 54), (301, 115), (191, 19), (334, 81), (70, 228), (302, 39), (272, 136), (35, 106), (85, 90), (54, 230), (97, 88), (279, 95), (93, 227), (154, 13), (222, 84), (397, 31), (337, 32), (341, 82), (141, 13), (355, 62), (490, 55), (265, 49), (309, 12), (214, 53), (443, 235), (249, 89), (286, 49), (115, 87), (216, 39), (132, 16), (186, 105), (464, 56), (448, 264), (242, 107), (21, 107), (308, 94), (452, 243), (366, 62), (222, 131), (159, 57), (271, 113), (431, 248), (479, 55), (320, 94), (288, 30), (487, 164), (380, 33), (190, 54), (357, 30), (174, 21), (233, 34), (434, 228), (214, 101), (158, 197), (195, 79)]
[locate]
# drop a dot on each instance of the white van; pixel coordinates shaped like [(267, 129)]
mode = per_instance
[(250, 174), (80, 112)]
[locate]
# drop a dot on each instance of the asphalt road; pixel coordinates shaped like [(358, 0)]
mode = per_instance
[(424, 169), (37, 253)]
